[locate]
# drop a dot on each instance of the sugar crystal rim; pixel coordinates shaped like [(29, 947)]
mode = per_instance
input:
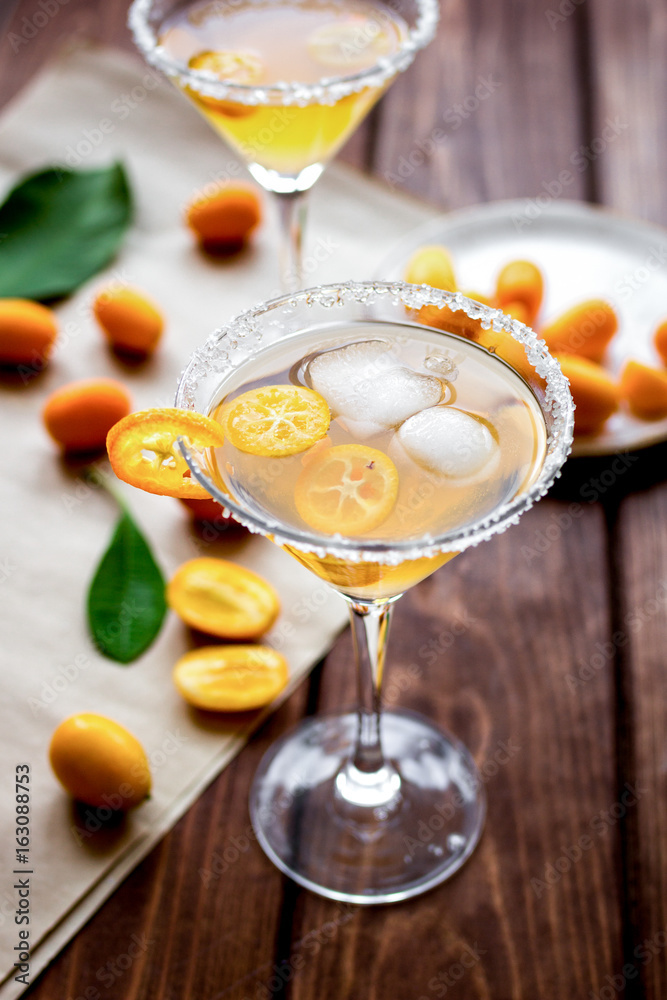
[(328, 90), (216, 356)]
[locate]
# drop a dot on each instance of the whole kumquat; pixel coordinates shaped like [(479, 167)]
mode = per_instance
[(660, 341), (595, 393), (521, 281), (28, 332), (645, 390), (100, 762), (431, 265), (79, 415), (130, 321), (586, 330), (224, 221)]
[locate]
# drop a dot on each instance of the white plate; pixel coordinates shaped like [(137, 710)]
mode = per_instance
[(584, 252)]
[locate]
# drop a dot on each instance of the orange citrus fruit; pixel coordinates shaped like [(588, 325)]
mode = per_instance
[(275, 420), (431, 265), (143, 450), (28, 332), (79, 415), (231, 678), (220, 598), (348, 489), (595, 393), (99, 762), (645, 390), (129, 320), (222, 222), (660, 341), (521, 281)]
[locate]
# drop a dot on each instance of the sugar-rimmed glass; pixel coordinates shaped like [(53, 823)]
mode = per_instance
[(338, 802), (288, 185)]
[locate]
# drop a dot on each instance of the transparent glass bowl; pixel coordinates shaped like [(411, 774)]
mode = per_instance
[(369, 807)]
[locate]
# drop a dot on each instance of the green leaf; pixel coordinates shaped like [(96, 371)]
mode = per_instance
[(60, 227), (126, 604)]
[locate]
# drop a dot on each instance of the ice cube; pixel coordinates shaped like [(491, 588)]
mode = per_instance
[(449, 442), (354, 43), (368, 387)]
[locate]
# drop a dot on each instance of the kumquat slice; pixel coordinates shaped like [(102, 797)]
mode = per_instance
[(144, 452), (348, 489), (275, 420), (234, 67), (231, 678)]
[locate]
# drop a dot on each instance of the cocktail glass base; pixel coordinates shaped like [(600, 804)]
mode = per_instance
[(416, 827)]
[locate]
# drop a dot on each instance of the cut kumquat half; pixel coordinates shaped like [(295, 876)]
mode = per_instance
[(143, 450), (221, 598), (275, 420), (231, 678), (348, 489)]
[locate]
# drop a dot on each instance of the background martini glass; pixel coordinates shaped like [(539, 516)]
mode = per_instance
[(283, 82), (339, 803)]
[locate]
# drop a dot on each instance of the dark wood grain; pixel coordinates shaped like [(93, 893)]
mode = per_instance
[(630, 83), (28, 42), (491, 109)]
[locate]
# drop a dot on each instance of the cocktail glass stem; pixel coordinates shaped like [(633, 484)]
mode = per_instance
[(367, 779), (292, 209)]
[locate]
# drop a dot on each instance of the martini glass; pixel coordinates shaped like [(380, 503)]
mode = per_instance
[(341, 57), (372, 806)]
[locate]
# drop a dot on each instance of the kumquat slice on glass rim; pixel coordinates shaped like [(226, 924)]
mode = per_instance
[(143, 450), (231, 678), (275, 420), (348, 489), (234, 67)]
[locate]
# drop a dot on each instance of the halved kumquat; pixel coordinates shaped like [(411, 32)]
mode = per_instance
[(349, 489), (143, 450), (275, 420), (223, 599), (231, 678)]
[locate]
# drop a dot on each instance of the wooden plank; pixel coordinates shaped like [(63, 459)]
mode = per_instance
[(490, 109), (641, 540), (537, 620), (200, 916), (33, 35), (502, 683), (630, 78), (627, 46)]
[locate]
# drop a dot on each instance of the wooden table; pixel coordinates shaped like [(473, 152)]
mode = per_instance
[(566, 894)]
